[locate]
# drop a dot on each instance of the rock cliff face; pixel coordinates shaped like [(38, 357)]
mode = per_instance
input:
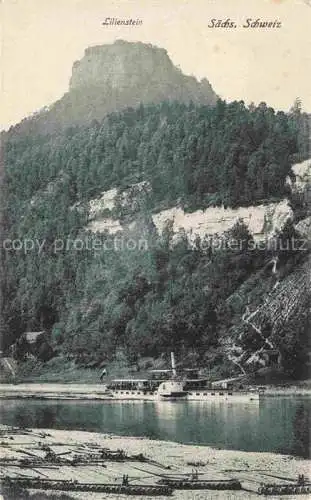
[(144, 72), (263, 221), (266, 318), (112, 77), (302, 175)]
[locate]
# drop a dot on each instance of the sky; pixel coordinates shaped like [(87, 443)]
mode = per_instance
[(40, 40)]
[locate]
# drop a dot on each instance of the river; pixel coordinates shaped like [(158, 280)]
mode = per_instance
[(279, 424)]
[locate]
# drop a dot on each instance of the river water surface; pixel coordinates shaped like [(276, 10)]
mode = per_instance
[(279, 424)]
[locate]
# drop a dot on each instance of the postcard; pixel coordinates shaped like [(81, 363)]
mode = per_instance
[(155, 237)]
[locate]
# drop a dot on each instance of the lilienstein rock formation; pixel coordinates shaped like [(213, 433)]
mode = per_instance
[(111, 77), (50, 156)]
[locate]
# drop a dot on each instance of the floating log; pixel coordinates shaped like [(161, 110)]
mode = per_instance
[(34, 455), (23, 431), (264, 473), (8, 460), (31, 463), (176, 476), (40, 472), (64, 485)]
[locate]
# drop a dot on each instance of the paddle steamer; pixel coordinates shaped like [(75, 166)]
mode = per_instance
[(185, 384)]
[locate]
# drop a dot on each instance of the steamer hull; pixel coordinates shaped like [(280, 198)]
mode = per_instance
[(233, 396), (208, 396)]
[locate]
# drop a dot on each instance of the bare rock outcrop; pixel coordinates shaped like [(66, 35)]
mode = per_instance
[(142, 71)]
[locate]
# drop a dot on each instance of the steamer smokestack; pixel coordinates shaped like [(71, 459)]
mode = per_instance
[(173, 363)]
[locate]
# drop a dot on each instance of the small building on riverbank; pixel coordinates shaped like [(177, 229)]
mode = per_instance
[(36, 344)]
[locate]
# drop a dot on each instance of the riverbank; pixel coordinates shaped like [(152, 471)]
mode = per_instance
[(53, 391), (287, 391), (160, 458)]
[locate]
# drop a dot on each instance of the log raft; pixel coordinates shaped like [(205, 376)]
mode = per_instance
[(284, 489), (200, 484), (68, 485)]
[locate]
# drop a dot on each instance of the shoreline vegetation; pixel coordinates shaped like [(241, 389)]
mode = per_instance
[(59, 370), (143, 461)]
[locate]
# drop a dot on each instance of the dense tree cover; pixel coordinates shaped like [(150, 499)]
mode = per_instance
[(145, 300), (302, 122), (200, 156)]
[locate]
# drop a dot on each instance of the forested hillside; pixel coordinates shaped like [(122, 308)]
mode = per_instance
[(147, 299), (227, 154)]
